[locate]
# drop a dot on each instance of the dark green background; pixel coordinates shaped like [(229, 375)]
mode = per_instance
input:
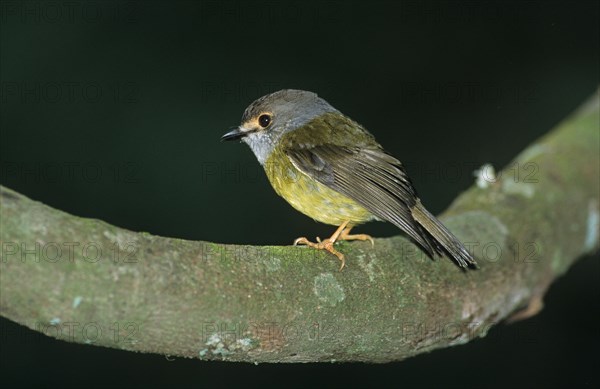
[(113, 110)]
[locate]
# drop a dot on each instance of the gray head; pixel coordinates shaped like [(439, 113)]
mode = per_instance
[(271, 116)]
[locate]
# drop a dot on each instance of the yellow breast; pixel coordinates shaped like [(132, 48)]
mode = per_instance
[(311, 197)]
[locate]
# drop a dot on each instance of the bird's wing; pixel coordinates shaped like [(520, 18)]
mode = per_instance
[(364, 173)]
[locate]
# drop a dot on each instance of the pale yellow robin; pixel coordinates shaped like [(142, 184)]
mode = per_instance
[(332, 169)]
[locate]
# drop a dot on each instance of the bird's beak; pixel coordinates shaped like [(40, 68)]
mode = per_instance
[(237, 133)]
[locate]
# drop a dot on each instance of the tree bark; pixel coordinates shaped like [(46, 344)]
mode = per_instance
[(85, 281)]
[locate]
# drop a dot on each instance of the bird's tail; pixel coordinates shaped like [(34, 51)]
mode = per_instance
[(440, 238)]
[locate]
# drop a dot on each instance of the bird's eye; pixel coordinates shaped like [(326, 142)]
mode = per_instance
[(264, 120)]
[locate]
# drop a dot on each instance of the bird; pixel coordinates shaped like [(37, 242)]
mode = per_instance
[(330, 168)]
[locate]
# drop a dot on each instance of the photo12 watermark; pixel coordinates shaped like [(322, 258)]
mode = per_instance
[(69, 12), (56, 252), (466, 92), (278, 13), (223, 338), (484, 251), (234, 172), (70, 172), (90, 332), (69, 92)]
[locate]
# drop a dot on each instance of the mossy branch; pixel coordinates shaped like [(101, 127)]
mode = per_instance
[(85, 281)]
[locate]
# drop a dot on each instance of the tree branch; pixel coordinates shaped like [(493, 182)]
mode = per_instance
[(85, 281)]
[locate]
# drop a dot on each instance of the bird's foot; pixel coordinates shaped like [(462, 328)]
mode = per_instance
[(326, 244), (346, 236), (342, 233)]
